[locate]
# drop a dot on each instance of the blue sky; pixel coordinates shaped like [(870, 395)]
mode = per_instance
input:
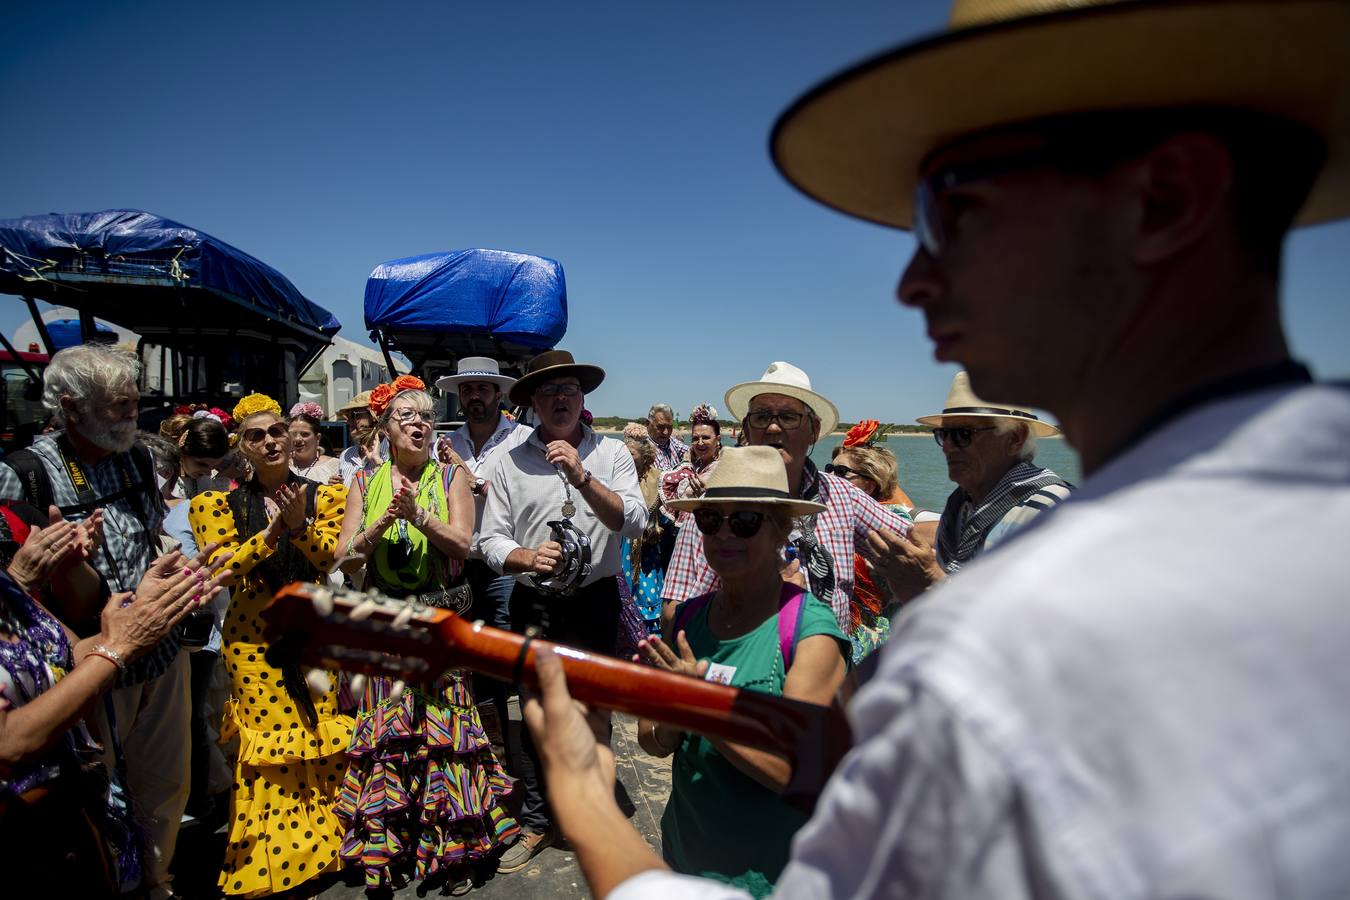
[(627, 140)]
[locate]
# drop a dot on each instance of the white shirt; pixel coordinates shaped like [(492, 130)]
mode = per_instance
[(1140, 695), (526, 492), (507, 435)]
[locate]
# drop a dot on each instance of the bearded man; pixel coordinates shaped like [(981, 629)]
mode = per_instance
[(96, 464)]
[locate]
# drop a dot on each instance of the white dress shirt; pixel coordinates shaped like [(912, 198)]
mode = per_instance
[(526, 492), (1140, 695), (506, 435)]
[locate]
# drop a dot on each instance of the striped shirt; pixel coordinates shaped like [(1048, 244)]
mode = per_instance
[(848, 516), (131, 528)]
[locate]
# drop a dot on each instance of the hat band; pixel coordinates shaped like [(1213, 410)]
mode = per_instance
[(988, 411), (478, 372), (746, 493)]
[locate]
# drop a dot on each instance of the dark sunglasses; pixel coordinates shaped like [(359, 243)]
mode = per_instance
[(842, 471), (786, 419), (744, 523), (255, 435), (961, 437)]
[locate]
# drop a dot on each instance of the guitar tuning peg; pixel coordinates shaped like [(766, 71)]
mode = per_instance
[(358, 684), (402, 619), (323, 603), (319, 683), (396, 692), (362, 611)]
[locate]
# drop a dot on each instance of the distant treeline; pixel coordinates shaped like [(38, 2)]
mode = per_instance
[(617, 422)]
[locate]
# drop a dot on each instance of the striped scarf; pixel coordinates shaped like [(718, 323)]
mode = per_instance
[(1014, 488)]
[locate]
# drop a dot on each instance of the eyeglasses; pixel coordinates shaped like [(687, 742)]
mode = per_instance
[(744, 523), (786, 419), (843, 471), (278, 430), (558, 390), (928, 219), (407, 415), (961, 437)]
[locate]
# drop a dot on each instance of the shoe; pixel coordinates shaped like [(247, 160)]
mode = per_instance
[(519, 854)]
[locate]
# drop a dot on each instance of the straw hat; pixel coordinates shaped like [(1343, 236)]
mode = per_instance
[(476, 368), (856, 141), (749, 475), (554, 364), (786, 379), (961, 401), (356, 404)]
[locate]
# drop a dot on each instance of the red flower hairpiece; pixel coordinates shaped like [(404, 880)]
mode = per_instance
[(380, 397), (865, 432)]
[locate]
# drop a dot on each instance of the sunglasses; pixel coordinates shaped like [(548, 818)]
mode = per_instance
[(787, 419), (744, 523), (961, 437), (278, 430), (843, 471), (559, 390)]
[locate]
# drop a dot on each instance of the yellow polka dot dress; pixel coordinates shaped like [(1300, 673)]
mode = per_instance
[(282, 830)]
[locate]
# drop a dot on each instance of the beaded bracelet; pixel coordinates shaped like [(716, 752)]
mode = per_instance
[(110, 655)]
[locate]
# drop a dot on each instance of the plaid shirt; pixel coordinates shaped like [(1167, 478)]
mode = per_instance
[(849, 515), (671, 455), (131, 526)]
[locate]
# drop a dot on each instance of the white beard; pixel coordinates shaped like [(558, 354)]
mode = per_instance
[(117, 439)]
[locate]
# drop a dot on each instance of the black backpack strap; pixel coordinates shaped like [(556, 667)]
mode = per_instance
[(33, 477)]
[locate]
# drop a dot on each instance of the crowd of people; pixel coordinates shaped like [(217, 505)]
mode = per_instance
[(316, 772), (1125, 689)]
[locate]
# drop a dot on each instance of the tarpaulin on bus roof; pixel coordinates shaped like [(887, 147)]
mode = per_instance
[(511, 296), (128, 247)]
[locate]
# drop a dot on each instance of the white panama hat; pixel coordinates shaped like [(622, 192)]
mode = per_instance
[(476, 368), (786, 379)]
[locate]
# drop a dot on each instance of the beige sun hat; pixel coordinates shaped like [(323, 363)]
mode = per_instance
[(961, 401), (786, 379), (856, 141), (359, 402), (749, 475)]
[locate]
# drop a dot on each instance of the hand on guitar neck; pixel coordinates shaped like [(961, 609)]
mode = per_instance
[(370, 633)]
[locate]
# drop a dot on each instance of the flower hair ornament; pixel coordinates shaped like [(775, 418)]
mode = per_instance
[(254, 404), (635, 431), (703, 414), (308, 408), (380, 397), (866, 433)]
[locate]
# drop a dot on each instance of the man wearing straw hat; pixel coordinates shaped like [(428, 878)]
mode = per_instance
[(365, 451), (990, 448), (1145, 699)]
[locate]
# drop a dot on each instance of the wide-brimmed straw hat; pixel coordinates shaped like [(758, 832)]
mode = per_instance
[(856, 141), (749, 475), (962, 402), (786, 379), (360, 402), (554, 364), (476, 368)]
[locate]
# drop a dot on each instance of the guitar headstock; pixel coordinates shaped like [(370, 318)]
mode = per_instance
[(340, 628)]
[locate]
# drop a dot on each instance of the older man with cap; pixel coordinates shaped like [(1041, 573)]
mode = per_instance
[(558, 504), (486, 434), (780, 410), (990, 450), (366, 451), (1144, 700)]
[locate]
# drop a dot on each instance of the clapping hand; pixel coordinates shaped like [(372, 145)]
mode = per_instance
[(404, 502), (45, 550), (132, 623), (91, 529), (658, 653)]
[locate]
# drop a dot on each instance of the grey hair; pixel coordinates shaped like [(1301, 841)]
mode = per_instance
[(86, 372), (163, 451), (422, 402), (1008, 426), (660, 408)]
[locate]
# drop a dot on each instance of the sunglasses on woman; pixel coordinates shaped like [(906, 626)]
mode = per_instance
[(744, 523), (842, 471), (256, 435), (961, 437)]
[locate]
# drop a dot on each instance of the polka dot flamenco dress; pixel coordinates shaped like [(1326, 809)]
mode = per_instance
[(282, 828)]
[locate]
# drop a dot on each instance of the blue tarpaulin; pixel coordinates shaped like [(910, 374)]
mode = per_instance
[(510, 296), (40, 254)]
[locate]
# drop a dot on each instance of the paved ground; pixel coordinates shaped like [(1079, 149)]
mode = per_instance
[(644, 784)]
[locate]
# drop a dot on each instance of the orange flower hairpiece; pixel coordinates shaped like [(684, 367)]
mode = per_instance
[(380, 397), (865, 432)]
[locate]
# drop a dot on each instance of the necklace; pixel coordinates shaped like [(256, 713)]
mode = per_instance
[(569, 509)]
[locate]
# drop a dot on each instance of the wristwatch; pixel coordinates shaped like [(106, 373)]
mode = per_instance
[(585, 481), (477, 487)]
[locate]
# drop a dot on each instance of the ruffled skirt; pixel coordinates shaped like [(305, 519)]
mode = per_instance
[(423, 788)]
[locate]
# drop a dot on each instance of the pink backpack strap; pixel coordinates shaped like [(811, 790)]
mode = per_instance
[(686, 612), (790, 621)]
